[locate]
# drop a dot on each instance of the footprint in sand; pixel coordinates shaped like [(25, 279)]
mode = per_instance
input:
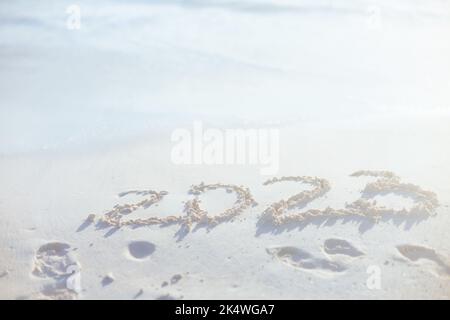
[(415, 253), (302, 259), (55, 261), (343, 247), (52, 260), (140, 250)]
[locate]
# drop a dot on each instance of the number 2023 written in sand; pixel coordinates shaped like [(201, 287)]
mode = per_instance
[(281, 212)]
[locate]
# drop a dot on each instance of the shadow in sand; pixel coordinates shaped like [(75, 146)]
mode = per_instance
[(100, 225), (138, 294), (111, 229), (184, 231), (265, 224), (86, 223)]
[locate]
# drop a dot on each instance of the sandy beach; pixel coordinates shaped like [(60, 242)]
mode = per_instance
[(343, 194)]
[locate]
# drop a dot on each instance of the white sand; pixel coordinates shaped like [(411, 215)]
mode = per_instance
[(88, 115)]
